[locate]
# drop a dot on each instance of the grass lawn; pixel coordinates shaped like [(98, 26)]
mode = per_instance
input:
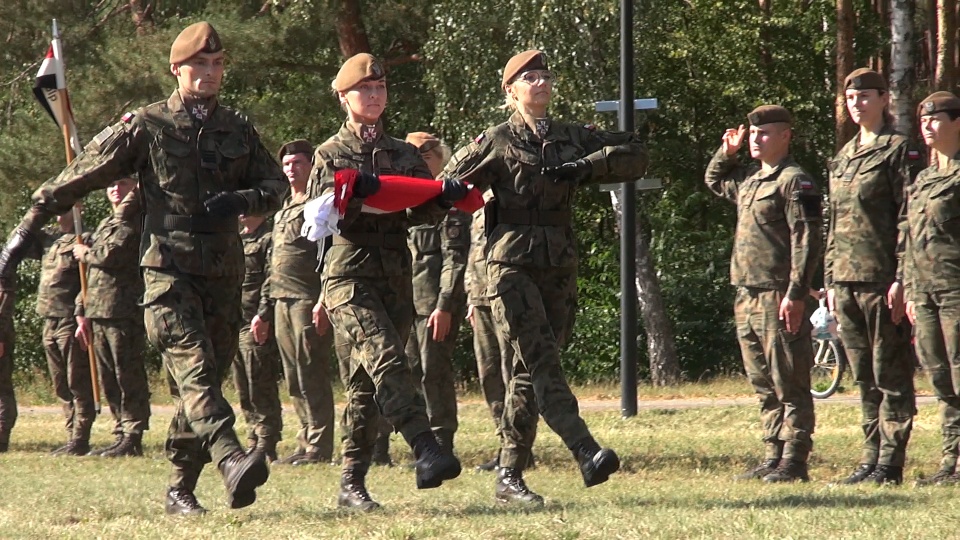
[(676, 483)]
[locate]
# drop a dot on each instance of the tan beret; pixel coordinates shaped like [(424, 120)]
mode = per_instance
[(299, 146), (865, 79), (422, 140), (938, 102), (769, 114), (525, 61), (196, 38), (356, 69)]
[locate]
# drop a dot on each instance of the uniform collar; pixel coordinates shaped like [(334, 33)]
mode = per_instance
[(526, 133), (854, 150), (762, 174), (184, 120), (349, 136)]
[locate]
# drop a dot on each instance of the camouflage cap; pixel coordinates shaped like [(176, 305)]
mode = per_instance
[(525, 61), (299, 146), (196, 38), (769, 114), (938, 102), (865, 79), (356, 69), (422, 140)]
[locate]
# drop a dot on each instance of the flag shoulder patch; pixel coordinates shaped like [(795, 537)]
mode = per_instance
[(127, 118), (806, 183)]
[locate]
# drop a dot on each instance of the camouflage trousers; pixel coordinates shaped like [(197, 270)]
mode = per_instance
[(778, 366), (256, 373), (194, 322), (306, 365), (361, 422), (371, 318), (70, 372), (431, 363), (120, 345), (879, 354), (8, 400), (938, 347), (494, 361), (534, 309)]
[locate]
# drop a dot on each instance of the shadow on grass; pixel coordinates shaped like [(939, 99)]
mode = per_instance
[(857, 499)]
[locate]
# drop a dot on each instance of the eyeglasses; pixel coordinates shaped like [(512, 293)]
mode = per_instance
[(532, 77)]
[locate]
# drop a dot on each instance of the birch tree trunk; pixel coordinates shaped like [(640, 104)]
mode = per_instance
[(902, 75), (946, 44)]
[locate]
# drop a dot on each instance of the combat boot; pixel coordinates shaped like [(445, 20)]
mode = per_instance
[(299, 453), (4, 447), (130, 446), (943, 477), (353, 492), (381, 451), (512, 489), (444, 439), (311, 457), (861, 473), (789, 470), (596, 464), (74, 447), (242, 474), (765, 467), (268, 447), (434, 464), (118, 438), (886, 474), (492, 465), (182, 502)]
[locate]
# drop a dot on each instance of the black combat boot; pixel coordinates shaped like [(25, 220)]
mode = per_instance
[(4, 447), (268, 447), (886, 474), (765, 467), (299, 453), (434, 464), (512, 489), (242, 474), (311, 457), (118, 438), (353, 491), (74, 447), (596, 464), (943, 477), (182, 502), (492, 465), (861, 473), (130, 446), (444, 439), (381, 450), (789, 470)]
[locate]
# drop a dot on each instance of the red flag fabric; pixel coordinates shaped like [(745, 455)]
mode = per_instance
[(397, 193)]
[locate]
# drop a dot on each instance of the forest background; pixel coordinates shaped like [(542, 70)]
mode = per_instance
[(708, 62)]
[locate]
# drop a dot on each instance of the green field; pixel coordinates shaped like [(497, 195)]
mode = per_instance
[(676, 483)]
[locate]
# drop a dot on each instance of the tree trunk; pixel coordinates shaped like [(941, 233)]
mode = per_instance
[(946, 40), (351, 32), (931, 60), (845, 20), (902, 75), (881, 62), (142, 16), (766, 58), (661, 348)]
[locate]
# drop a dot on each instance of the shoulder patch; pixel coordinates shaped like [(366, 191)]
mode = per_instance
[(480, 137), (913, 154), (103, 136), (806, 183), (589, 127), (127, 118)]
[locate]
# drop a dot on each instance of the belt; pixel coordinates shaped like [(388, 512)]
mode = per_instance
[(387, 240), (197, 224), (533, 217)]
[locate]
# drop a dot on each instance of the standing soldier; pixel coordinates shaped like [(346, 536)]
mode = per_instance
[(775, 253), (294, 287), (867, 178), (110, 319), (931, 270), (256, 368), (200, 165), (439, 254), (367, 290)]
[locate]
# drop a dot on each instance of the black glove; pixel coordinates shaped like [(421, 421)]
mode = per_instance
[(453, 190), (573, 171), (16, 249), (366, 185), (226, 204)]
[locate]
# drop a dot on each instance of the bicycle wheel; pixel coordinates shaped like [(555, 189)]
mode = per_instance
[(827, 369)]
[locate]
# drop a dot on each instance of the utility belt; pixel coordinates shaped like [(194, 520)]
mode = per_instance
[(555, 218), (195, 224), (384, 240)]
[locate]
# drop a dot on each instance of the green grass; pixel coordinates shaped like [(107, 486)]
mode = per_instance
[(676, 483)]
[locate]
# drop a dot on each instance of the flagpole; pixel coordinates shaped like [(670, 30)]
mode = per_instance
[(68, 137)]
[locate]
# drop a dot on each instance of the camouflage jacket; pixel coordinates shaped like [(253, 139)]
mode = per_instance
[(778, 238), (114, 284), (59, 274), (931, 231), (255, 297), (439, 262), (534, 212), (370, 245), (179, 164), (866, 199), (294, 261), (475, 277)]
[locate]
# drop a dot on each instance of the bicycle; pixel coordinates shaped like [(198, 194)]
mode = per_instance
[(829, 359)]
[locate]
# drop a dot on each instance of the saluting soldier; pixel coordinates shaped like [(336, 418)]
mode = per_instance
[(200, 165), (110, 320), (776, 249)]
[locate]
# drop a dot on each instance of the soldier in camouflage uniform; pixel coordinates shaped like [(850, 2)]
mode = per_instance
[(110, 319), (931, 269), (439, 255), (775, 253), (200, 165), (534, 165), (293, 289), (256, 369), (8, 399), (867, 178), (367, 294)]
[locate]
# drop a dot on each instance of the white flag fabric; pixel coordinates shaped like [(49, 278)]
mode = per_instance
[(47, 88)]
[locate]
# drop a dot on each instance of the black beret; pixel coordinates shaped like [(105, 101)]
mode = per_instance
[(865, 79), (769, 114)]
